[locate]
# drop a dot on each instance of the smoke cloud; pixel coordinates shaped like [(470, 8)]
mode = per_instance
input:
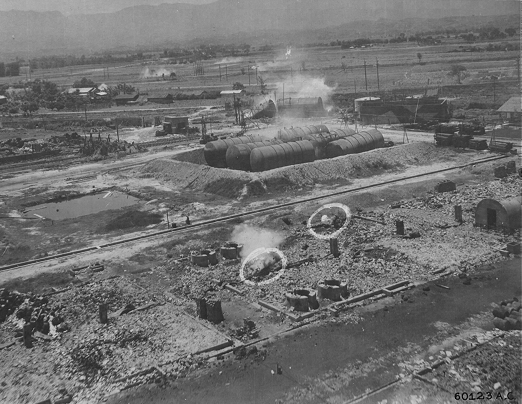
[(229, 60), (252, 238), (302, 86), (156, 72)]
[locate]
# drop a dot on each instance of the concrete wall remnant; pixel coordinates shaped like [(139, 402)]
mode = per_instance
[(445, 186), (504, 214), (302, 300), (506, 169), (231, 250), (214, 311), (332, 289)]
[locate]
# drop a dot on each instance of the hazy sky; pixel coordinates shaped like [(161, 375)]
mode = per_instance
[(84, 6)]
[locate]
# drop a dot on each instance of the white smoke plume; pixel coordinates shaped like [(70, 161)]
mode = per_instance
[(302, 86), (229, 61), (156, 72), (252, 238)]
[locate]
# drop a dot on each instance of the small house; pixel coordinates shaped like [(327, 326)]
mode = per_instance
[(123, 99), (511, 110)]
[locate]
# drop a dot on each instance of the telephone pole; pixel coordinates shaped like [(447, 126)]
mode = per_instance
[(365, 76), (378, 84)]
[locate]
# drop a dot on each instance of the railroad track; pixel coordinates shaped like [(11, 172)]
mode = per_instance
[(4, 168), (243, 214)]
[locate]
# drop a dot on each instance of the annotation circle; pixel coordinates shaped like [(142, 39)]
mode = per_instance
[(336, 233), (255, 254)]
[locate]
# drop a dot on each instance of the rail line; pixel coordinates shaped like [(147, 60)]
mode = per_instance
[(243, 214)]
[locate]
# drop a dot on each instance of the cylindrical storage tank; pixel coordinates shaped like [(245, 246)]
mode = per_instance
[(377, 138), (340, 133), (216, 152), (280, 155), (320, 140), (292, 134), (357, 143), (238, 156)]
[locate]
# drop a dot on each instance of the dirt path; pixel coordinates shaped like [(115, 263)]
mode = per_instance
[(339, 361), (60, 177)]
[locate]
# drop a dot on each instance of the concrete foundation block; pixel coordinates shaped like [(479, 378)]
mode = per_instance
[(103, 313), (513, 323), (332, 289), (500, 312), (445, 186), (201, 308), (500, 171), (200, 260), (214, 311), (229, 253), (302, 300), (511, 167), (514, 248), (212, 256), (501, 324)]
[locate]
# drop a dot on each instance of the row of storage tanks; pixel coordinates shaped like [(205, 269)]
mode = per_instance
[(291, 146)]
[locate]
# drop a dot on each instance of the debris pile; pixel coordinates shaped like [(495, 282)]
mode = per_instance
[(34, 310), (508, 315)]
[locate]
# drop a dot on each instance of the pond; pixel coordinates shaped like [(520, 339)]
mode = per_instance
[(83, 206)]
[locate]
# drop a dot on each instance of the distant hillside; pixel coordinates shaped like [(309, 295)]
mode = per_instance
[(52, 32)]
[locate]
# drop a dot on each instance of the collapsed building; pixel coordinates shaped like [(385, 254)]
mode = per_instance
[(292, 107), (411, 109)]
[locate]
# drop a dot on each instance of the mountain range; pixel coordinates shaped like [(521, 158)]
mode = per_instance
[(29, 32)]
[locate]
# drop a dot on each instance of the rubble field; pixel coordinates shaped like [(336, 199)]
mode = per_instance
[(76, 355), (152, 312)]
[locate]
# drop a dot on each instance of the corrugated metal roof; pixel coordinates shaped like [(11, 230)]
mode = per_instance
[(511, 105), (230, 92), (367, 99), (82, 90)]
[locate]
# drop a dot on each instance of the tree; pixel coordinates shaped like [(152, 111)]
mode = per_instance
[(419, 56), (84, 82), (238, 86), (510, 31), (457, 71)]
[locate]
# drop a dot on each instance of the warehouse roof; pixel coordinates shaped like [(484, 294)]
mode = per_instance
[(230, 92), (511, 105)]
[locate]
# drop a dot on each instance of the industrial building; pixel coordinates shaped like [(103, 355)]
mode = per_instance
[(301, 107), (408, 110), (123, 99), (176, 124), (503, 215), (511, 110)]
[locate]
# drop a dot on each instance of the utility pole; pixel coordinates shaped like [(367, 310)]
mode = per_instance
[(219, 72), (518, 69), (355, 86), (248, 66), (365, 76), (494, 90), (378, 84), (226, 72)]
